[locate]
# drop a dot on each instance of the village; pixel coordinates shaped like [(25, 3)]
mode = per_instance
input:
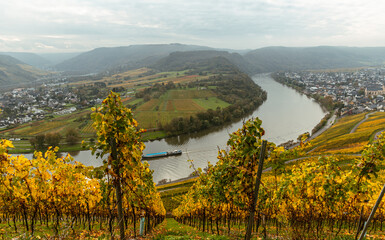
[(356, 91), (22, 105)]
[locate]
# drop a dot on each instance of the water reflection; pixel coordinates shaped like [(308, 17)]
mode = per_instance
[(285, 115), (185, 139)]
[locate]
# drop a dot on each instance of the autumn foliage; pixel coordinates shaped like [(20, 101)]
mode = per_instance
[(65, 195), (318, 198)]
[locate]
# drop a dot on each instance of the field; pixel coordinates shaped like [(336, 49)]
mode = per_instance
[(211, 103), (176, 103), (140, 78), (150, 115)]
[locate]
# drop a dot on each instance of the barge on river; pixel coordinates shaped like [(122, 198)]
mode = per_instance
[(162, 154)]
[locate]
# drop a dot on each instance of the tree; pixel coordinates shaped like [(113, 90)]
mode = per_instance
[(38, 142), (303, 137), (147, 97), (119, 137), (72, 136), (52, 139)]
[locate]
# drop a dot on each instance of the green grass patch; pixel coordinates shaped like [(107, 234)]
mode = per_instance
[(187, 105), (151, 119), (171, 229), (176, 103), (211, 103), (135, 101)]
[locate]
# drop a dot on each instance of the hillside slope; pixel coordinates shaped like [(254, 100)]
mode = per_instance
[(29, 58), (129, 57), (269, 59), (56, 58), (13, 71), (177, 61), (272, 59)]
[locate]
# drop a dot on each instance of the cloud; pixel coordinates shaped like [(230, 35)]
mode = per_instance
[(78, 25)]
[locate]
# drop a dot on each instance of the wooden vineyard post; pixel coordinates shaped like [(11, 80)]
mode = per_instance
[(363, 233), (118, 188), (255, 193)]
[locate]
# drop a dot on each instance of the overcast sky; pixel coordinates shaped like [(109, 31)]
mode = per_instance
[(81, 25)]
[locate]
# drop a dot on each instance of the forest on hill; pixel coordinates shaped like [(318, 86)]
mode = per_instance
[(269, 59)]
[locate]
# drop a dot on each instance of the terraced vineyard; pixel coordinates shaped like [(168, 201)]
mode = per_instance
[(338, 138), (312, 197)]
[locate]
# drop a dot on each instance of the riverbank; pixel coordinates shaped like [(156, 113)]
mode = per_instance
[(327, 106), (285, 115), (200, 105)]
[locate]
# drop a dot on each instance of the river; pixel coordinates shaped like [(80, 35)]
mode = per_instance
[(285, 115)]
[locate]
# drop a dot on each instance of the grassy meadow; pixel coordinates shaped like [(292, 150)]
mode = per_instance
[(176, 103)]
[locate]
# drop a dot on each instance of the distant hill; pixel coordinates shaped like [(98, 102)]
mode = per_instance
[(272, 59), (269, 59), (130, 57), (177, 61), (40, 60), (13, 71), (56, 58), (29, 58)]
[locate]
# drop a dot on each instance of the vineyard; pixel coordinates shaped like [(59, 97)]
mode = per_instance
[(50, 196), (310, 197), (317, 198), (341, 139)]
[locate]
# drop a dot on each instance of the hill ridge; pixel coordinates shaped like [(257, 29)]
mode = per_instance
[(14, 71), (267, 59)]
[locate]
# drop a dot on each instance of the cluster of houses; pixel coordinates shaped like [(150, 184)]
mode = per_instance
[(50, 98), (23, 105), (360, 90)]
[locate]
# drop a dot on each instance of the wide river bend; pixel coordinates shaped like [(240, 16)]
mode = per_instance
[(285, 115)]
